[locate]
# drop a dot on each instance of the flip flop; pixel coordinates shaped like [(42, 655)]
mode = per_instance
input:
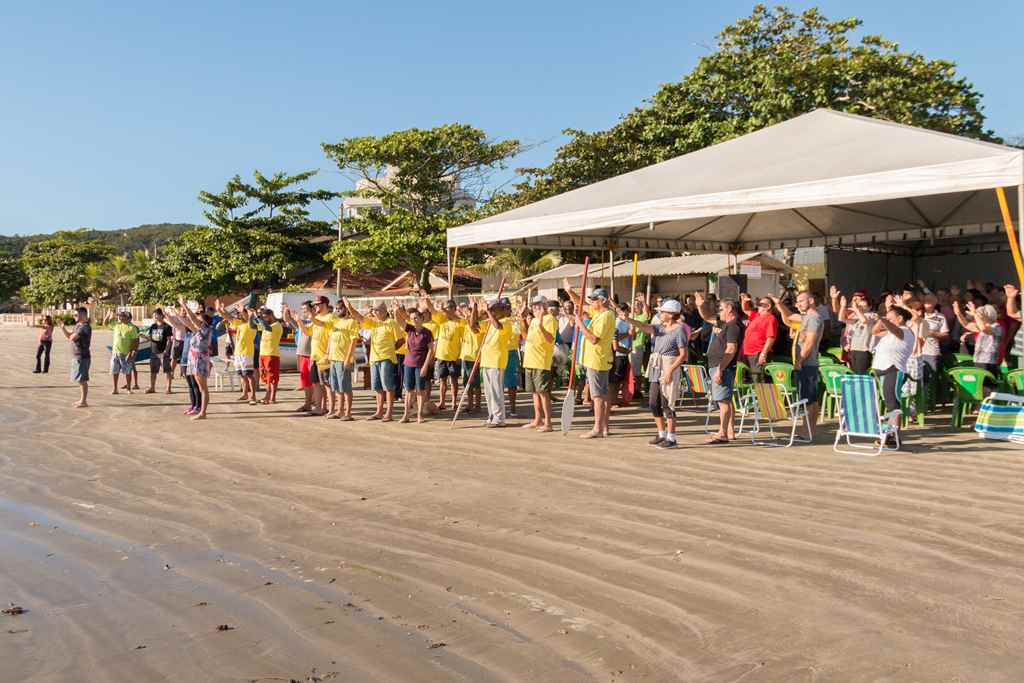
[(717, 441)]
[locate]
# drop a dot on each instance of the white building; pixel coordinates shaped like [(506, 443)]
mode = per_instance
[(356, 206)]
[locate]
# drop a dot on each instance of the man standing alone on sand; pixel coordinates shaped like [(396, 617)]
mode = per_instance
[(81, 357)]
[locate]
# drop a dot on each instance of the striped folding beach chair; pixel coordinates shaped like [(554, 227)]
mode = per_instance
[(774, 404), (1001, 417), (859, 416), (698, 384)]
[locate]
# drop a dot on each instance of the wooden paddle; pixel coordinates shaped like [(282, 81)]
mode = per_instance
[(476, 362), (569, 402)]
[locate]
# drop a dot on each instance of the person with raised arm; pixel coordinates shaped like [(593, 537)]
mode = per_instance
[(198, 366), (805, 366), (123, 347), (244, 329), (495, 342), (539, 336), (81, 355), (982, 321), (598, 356), (760, 335), (468, 348), (860, 320), (448, 345), (343, 334), (159, 336), (385, 332), (271, 331), (419, 357), (45, 344), (671, 339), (895, 344), (302, 325)]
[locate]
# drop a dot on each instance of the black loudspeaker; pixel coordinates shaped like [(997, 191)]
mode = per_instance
[(730, 286)]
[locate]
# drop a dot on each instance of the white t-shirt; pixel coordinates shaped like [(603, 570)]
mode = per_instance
[(933, 322), (891, 350)]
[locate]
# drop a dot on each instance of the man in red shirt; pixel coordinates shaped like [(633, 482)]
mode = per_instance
[(762, 330)]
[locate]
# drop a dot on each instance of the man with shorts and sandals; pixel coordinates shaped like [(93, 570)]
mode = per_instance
[(81, 356), (448, 344), (726, 337), (805, 366), (123, 348)]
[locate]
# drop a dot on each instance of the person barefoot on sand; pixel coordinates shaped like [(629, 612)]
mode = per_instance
[(270, 353), (538, 355), (81, 356), (448, 345), (159, 337), (244, 328), (123, 348), (45, 344), (198, 367), (598, 338), (384, 335), (419, 355)]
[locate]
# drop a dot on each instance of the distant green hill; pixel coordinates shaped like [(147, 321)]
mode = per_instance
[(125, 240)]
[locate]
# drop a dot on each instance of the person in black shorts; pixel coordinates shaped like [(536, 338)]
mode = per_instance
[(159, 336)]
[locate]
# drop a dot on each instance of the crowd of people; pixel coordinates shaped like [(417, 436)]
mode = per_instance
[(622, 350)]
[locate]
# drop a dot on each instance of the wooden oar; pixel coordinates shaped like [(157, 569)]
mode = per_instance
[(476, 362), (569, 403)]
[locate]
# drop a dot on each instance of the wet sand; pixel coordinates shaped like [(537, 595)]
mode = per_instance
[(387, 552)]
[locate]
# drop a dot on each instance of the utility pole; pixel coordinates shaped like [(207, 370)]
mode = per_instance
[(338, 272)]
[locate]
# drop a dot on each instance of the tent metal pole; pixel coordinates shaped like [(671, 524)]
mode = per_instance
[(1010, 234), (1020, 210), (611, 275)]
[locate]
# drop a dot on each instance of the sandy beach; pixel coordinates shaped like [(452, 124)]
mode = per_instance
[(386, 552)]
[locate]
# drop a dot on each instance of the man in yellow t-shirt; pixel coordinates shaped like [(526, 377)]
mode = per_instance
[(539, 336), (344, 335), (598, 354), (385, 333), (448, 330), (494, 345), (244, 332), (468, 346), (270, 353)]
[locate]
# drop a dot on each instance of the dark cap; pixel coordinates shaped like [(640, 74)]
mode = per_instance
[(322, 300)]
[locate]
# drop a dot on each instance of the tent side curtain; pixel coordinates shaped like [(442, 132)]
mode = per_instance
[(818, 179)]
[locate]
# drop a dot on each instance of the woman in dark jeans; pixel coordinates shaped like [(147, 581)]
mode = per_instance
[(45, 344)]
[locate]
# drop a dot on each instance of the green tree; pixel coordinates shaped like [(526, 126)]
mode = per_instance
[(519, 263), (56, 268), (768, 67), (12, 276), (258, 233), (426, 181)]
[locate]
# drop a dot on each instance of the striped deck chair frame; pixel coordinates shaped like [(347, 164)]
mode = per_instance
[(772, 403), (860, 417), (1001, 417), (698, 383)]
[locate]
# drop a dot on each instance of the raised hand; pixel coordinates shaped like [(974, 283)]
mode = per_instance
[(833, 292), (1011, 290), (842, 304), (956, 306)]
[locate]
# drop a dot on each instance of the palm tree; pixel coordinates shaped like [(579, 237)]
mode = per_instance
[(114, 277), (519, 263)]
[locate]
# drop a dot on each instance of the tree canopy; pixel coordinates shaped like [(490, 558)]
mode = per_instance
[(56, 268), (426, 181), (258, 233), (768, 67)]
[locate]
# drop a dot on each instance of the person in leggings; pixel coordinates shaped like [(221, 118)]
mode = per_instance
[(45, 344), (895, 344)]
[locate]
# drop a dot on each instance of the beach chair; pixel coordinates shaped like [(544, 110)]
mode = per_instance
[(698, 383), (1001, 417), (969, 385), (781, 374), (742, 395), (830, 377), (774, 404), (859, 416)]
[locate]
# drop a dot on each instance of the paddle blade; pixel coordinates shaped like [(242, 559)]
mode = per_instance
[(568, 406)]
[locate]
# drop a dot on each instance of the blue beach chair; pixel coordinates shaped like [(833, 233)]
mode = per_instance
[(859, 416)]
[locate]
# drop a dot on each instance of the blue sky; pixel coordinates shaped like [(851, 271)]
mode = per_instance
[(116, 114)]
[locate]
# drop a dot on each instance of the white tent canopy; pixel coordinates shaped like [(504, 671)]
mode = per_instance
[(821, 179)]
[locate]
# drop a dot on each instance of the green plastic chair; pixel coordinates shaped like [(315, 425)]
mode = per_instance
[(781, 374), (836, 352), (1015, 381), (742, 398), (962, 359), (970, 390), (831, 377)]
